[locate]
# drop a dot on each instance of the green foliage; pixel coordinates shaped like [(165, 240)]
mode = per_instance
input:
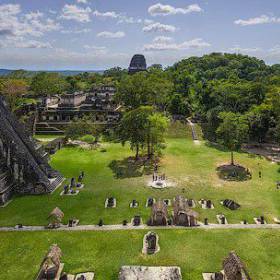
[(87, 138), (13, 90), (232, 131), (44, 84), (83, 127), (145, 88), (143, 127)]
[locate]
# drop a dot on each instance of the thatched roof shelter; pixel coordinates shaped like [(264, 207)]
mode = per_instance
[(192, 213), (56, 214), (160, 206), (159, 215), (180, 205), (234, 269)]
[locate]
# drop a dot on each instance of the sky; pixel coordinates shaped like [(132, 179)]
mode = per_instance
[(99, 34)]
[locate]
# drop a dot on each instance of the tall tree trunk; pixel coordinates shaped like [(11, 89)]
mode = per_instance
[(137, 152), (232, 160), (149, 146)]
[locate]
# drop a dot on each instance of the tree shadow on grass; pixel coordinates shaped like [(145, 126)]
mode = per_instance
[(130, 168)]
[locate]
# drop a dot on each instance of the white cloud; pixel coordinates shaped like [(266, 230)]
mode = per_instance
[(263, 19), (164, 10), (20, 42), (159, 27), (76, 13), (76, 31), (111, 35), (92, 47), (238, 49), (13, 23), (164, 46), (82, 1), (33, 45), (122, 18), (162, 39)]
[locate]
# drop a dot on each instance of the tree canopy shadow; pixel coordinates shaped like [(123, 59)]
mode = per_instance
[(130, 168)]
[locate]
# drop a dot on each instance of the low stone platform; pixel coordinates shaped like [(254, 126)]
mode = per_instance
[(87, 275), (150, 273)]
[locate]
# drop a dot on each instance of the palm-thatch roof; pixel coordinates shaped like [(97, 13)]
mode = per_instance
[(159, 206), (56, 213), (234, 269), (192, 213), (180, 204)]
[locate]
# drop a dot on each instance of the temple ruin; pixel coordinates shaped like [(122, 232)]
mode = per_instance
[(137, 64), (24, 168)]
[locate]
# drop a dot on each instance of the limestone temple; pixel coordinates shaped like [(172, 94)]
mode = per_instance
[(24, 168), (137, 64), (56, 112)]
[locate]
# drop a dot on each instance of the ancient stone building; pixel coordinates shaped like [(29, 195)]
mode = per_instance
[(98, 103), (137, 64), (23, 169)]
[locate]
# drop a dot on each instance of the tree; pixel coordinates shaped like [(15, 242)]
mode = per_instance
[(232, 131), (145, 88), (143, 127), (82, 127), (13, 89), (44, 84), (158, 125), (133, 128)]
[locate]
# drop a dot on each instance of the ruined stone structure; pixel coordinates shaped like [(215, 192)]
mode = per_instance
[(234, 269), (23, 169), (56, 113), (137, 64)]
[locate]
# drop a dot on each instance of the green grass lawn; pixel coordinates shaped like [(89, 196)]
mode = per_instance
[(105, 252), (190, 166), (109, 173)]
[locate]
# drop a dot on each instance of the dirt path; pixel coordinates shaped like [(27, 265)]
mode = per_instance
[(142, 227), (194, 134)]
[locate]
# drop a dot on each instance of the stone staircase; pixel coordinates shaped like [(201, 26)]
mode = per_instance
[(43, 128), (6, 183), (56, 182)]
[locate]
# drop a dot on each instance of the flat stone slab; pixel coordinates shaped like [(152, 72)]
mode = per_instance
[(88, 275), (150, 273), (154, 201), (70, 194), (209, 276), (258, 222), (204, 204), (114, 203), (81, 187), (135, 206), (145, 244), (220, 221), (70, 277)]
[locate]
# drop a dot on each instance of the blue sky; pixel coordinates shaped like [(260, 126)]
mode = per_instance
[(98, 34)]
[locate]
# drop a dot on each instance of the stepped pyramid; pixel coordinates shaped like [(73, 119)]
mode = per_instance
[(23, 169)]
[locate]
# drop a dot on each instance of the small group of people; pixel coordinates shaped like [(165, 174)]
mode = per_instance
[(157, 177)]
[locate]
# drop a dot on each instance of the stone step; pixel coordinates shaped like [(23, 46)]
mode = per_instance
[(55, 183)]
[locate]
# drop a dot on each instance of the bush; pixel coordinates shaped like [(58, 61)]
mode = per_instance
[(87, 138)]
